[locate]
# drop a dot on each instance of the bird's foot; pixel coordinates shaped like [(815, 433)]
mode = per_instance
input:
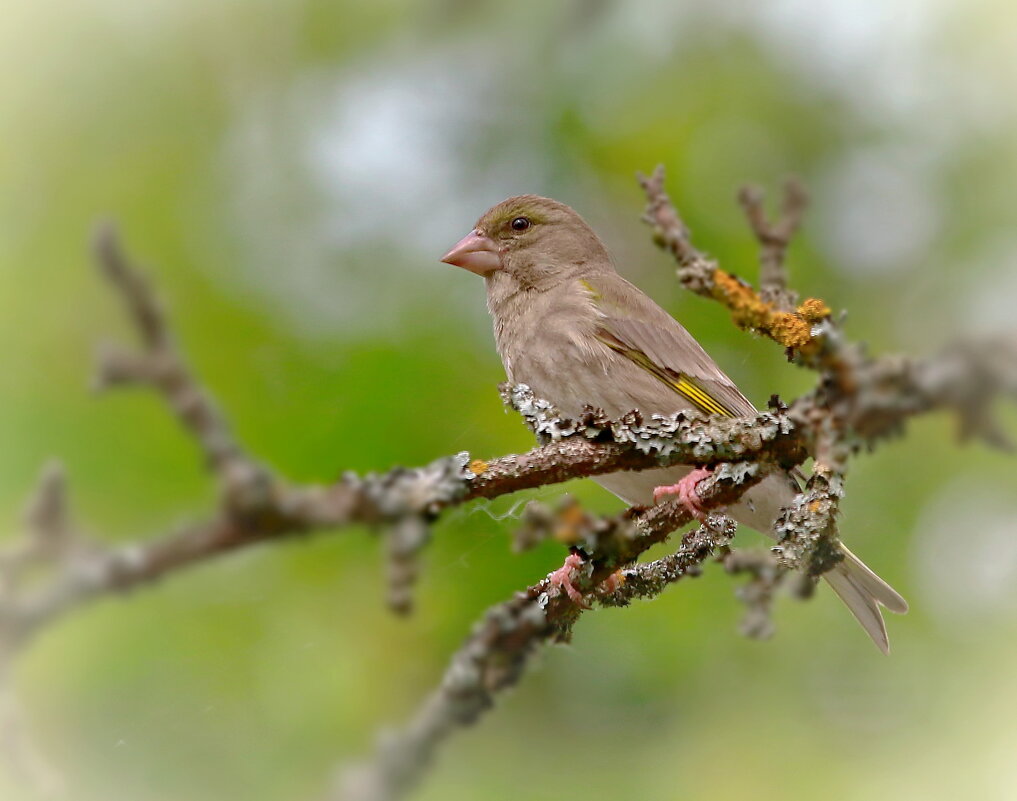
[(562, 578), (686, 492)]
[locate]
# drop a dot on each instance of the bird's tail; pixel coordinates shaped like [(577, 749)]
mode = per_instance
[(863, 592)]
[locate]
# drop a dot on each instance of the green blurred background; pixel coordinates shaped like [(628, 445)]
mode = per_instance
[(291, 172)]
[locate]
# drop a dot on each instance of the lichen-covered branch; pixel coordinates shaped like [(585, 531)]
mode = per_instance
[(859, 398), (647, 580), (404, 500), (807, 529), (886, 392), (874, 397), (767, 315)]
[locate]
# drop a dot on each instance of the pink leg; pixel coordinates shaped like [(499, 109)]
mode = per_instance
[(562, 578), (686, 492)]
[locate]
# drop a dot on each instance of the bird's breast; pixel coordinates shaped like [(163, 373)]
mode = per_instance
[(547, 341)]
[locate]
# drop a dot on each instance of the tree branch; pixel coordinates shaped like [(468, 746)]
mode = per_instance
[(648, 580), (764, 314)]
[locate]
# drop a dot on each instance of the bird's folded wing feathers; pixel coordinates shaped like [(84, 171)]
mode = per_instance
[(637, 328)]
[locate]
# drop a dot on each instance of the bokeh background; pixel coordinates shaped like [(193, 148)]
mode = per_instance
[(291, 172)]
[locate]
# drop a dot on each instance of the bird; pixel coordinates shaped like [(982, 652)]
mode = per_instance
[(569, 326)]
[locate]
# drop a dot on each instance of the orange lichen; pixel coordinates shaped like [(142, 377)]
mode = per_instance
[(748, 310), (478, 466), (789, 329), (813, 310)]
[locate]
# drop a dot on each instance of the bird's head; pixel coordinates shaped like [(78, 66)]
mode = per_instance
[(532, 241)]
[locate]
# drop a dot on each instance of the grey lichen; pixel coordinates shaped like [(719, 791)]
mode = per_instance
[(650, 579), (415, 491), (687, 433), (809, 541)]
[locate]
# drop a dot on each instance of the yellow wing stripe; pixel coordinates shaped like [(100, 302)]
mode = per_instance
[(699, 396), (679, 382)]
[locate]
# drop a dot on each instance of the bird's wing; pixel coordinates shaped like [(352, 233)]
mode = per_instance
[(637, 328)]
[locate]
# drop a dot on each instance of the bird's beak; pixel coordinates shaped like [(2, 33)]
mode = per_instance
[(476, 253)]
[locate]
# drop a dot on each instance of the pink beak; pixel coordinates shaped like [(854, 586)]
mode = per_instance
[(476, 253)]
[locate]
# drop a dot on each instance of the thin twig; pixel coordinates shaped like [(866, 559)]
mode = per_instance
[(695, 270), (160, 364), (766, 576), (774, 238)]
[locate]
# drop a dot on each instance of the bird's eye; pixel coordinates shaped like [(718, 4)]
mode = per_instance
[(520, 224)]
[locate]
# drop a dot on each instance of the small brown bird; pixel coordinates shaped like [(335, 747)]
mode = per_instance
[(568, 325)]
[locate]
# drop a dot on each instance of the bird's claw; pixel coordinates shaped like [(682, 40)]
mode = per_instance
[(562, 579), (685, 489)]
